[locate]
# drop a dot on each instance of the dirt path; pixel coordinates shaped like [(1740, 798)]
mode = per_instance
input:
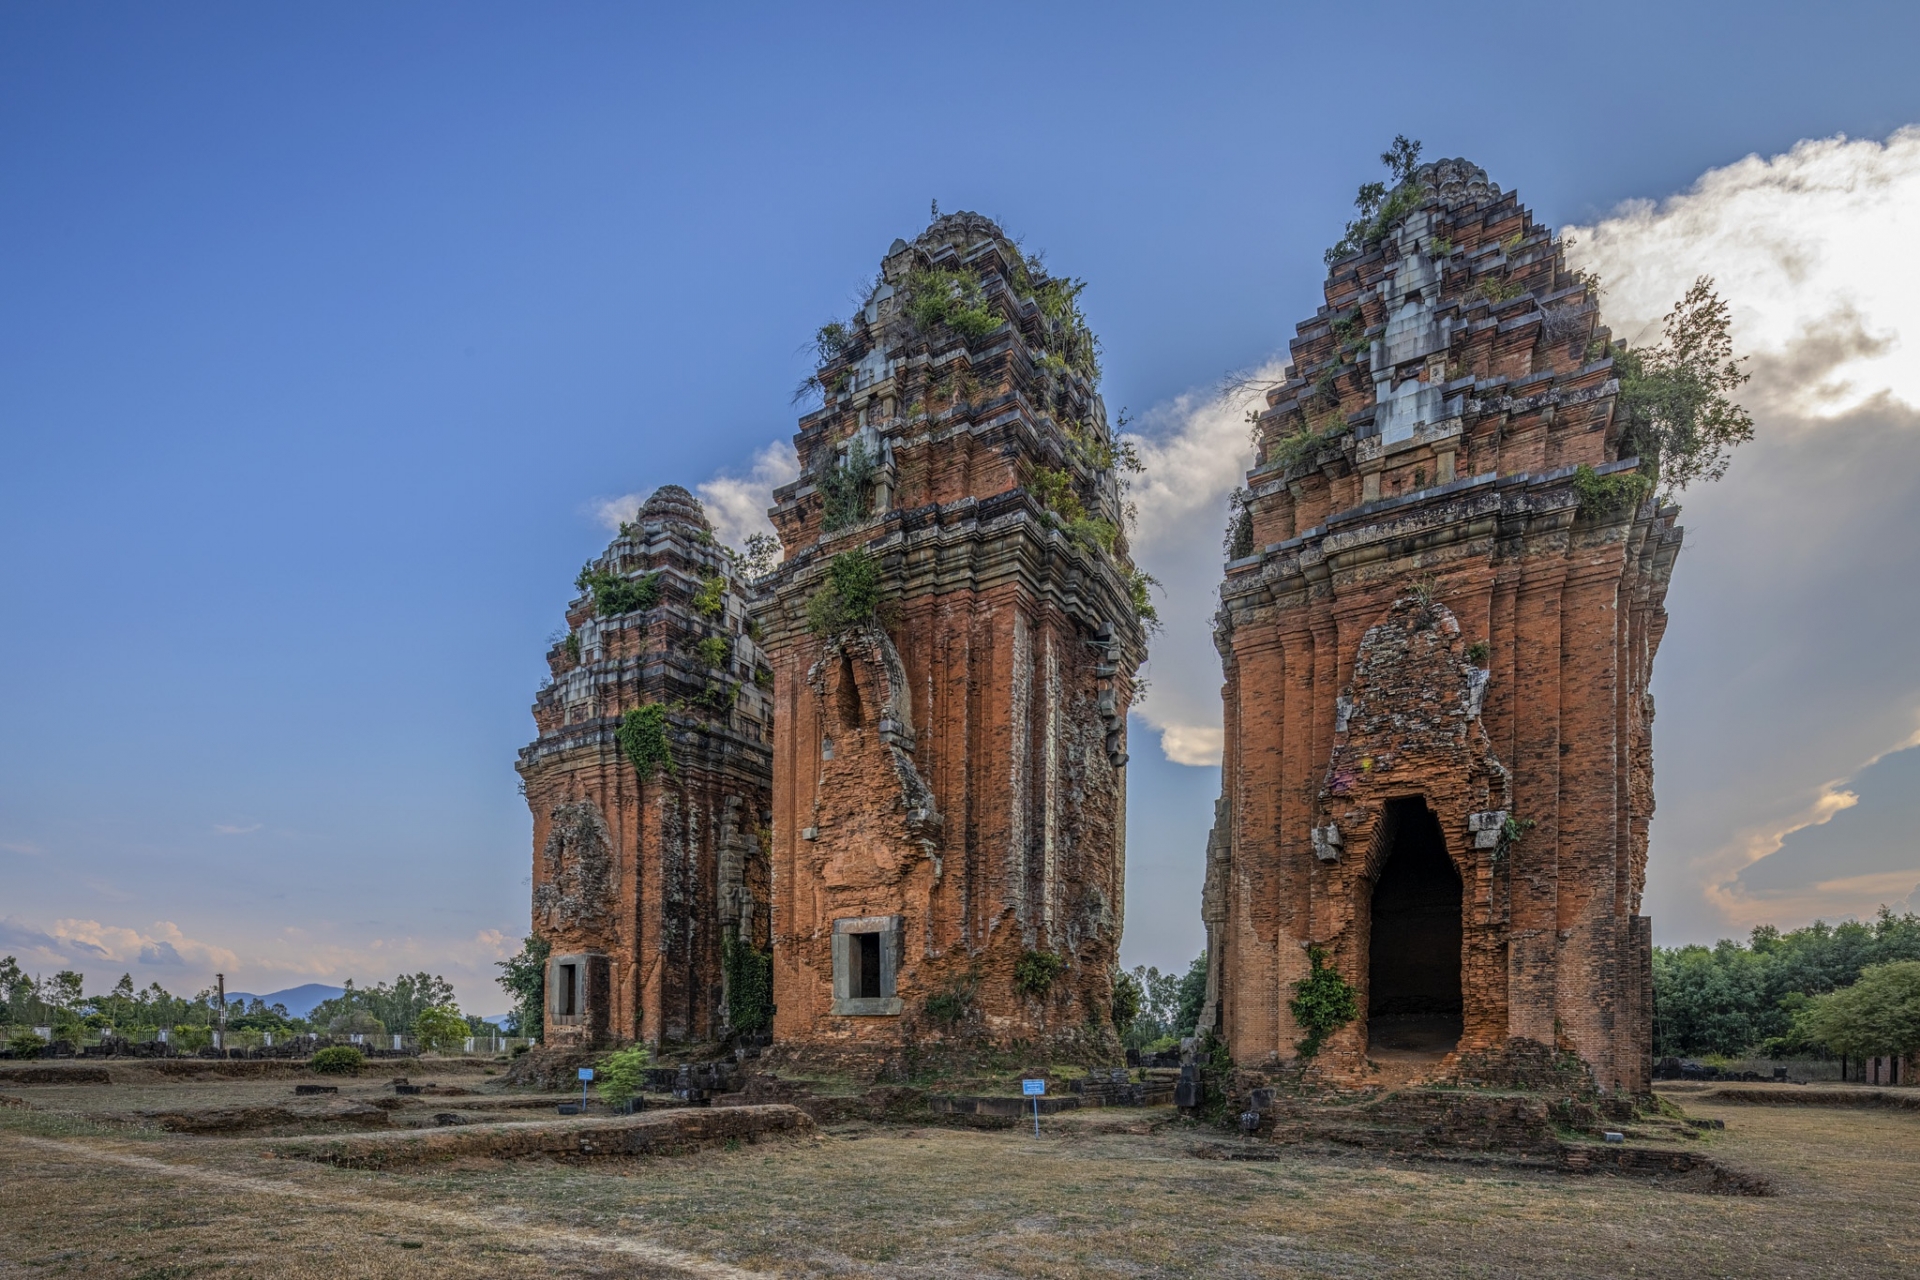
[(660, 1260)]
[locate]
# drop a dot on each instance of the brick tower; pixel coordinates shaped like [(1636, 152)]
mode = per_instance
[(1437, 630), (651, 791), (949, 785)]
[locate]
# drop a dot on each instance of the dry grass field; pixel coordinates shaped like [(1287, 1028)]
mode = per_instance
[(1102, 1193)]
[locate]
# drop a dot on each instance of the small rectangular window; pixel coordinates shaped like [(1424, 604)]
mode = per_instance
[(866, 966), (569, 990)]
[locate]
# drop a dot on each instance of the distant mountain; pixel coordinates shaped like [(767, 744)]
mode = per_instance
[(299, 1000)]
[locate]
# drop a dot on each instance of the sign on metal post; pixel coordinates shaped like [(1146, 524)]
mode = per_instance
[(586, 1075), (1034, 1089)]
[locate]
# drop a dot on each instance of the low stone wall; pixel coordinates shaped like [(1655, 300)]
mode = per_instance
[(649, 1133), (54, 1075), (1800, 1096)]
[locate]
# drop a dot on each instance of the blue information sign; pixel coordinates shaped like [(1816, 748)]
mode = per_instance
[(1033, 1088), (586, 1073)]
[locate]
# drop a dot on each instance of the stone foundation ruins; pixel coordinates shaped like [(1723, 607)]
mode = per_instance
[(1437, 633)]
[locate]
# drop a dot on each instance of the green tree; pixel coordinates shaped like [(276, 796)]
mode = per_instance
[(1128, 997), (524, 977), (1676, 398), (441, 1028), (1193, 994), (1878, 1015)]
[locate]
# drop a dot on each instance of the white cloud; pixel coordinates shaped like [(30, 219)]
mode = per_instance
[(736, 505), (1786, 669), (1196, 450), (1819, 238)]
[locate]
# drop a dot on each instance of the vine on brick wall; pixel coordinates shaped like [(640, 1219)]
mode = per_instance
[(643, 736), (749, 984), (1322, 1003)]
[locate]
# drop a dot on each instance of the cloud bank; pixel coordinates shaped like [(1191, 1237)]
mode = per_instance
[(1786, 672)]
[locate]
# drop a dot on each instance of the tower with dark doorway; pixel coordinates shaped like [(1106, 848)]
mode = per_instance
[(1437, 628)]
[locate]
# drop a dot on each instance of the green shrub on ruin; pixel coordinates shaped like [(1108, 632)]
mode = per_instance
[(1140, 585), (643, 736), (1601, 496), (848, 595), (25, 1043), (713, 651), (614, 594), (1322, 1003), (572, 646), (718, 697), (843, 489), (339, 1060), (1034, 972), (936, 296), (710, 598), (1675, 404)]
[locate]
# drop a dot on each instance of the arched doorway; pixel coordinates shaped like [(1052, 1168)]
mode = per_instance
[(1413, 956)]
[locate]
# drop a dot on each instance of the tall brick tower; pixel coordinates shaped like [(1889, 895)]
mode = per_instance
[(1437, 629), (651, 792), (953, 636)]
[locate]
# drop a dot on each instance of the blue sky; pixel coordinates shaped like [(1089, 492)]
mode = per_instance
[(325, 333)]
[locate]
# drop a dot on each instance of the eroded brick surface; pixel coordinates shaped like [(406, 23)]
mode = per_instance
[(1427, 612), (648, 873), (957, 767)]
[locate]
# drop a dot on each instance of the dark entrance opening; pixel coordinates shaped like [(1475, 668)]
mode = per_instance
[(1413, 959), (569, 990), (866, 966)]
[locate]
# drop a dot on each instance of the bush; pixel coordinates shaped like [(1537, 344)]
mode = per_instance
[(1603, 495), (1035, 971), (849, 595), (614, 594), (1322, 1003), (26, 1043), (951, 298), (710, 600), (843, 489), (1676, 398), (339, 1060), (621, 1073), (713, 651), (643, 737)]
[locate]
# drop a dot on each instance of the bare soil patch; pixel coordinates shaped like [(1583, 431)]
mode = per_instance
[(1100, 1193)]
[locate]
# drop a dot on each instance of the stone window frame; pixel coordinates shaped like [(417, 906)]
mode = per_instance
[(888, 1004), (584, 964)]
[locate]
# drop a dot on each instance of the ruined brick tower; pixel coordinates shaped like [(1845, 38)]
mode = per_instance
[(953, 635), (651, 790), (1437, 628)]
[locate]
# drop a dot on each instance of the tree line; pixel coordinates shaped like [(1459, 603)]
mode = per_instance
[(421, 1005), (1827, 990)]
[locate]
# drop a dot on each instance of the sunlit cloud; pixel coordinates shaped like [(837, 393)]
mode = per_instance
[(736, 506), (237, 829)]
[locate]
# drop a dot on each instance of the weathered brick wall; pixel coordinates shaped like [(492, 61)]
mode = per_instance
[(1425, 565), (960, 764), (650, 873)]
